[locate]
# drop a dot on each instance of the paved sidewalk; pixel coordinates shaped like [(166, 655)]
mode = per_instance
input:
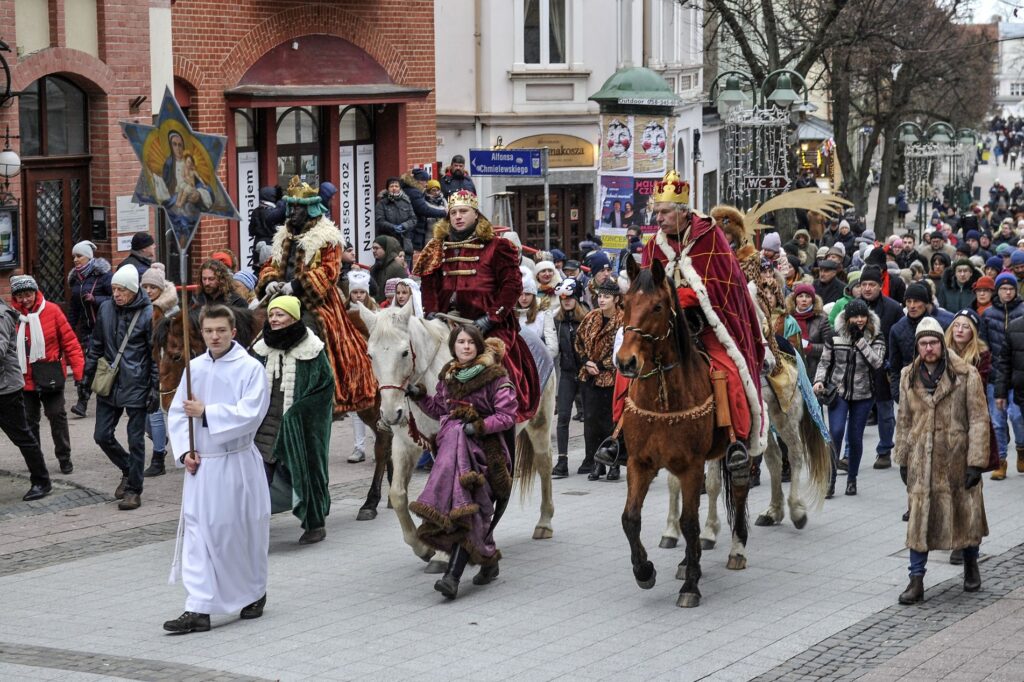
[(85, 591)]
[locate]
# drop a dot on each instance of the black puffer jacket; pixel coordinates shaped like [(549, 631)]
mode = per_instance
[(902, 338), (1009, 364), (889, 312), (394, 216), (137, 372), (568, 359)]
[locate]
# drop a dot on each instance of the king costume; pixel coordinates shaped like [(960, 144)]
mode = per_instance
[(224, 530)]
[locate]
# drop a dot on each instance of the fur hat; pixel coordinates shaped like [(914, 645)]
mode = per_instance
[(126, 277), (929, 326), (358, 280)]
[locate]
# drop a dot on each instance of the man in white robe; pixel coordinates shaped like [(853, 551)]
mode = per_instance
[(224, 532)]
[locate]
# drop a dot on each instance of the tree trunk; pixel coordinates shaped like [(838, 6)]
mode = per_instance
[(883, 211)]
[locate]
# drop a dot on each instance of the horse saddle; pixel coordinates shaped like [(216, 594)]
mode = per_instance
[(784, 382)]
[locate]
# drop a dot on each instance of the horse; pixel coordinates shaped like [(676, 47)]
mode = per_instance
[(169, 349), (793, 424), (669, 422), (405, 351)]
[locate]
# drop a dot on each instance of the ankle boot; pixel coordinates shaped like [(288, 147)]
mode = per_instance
[(1020, 459), (972, 576), (755, 472), (587, 466), (597, 472), (156, 467), (448, 585), (561, 468), (1000, 473), (914, 592), (851, 487)]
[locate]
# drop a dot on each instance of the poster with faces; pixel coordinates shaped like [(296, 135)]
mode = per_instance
[(653, 145), (616, 144)]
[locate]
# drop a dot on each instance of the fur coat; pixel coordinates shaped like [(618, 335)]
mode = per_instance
[(937, 437)]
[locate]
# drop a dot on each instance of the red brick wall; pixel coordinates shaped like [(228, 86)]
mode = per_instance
[(400, 39)]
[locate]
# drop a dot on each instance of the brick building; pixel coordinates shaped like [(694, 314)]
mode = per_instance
[(337, 91)]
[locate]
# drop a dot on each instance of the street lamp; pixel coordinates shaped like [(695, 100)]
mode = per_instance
[(941, 132), (10, 166), (911, 133), (783, 96), (732, 96)]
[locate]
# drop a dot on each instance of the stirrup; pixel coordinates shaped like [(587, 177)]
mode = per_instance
[(608, 452), (737, 461)]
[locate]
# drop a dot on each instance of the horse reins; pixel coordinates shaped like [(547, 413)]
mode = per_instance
[(414, 433)]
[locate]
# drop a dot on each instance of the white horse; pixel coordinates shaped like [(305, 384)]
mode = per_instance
[(405, 351), (807, 446)]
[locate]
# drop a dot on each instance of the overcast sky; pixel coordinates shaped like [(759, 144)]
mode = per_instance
[(985, 9)]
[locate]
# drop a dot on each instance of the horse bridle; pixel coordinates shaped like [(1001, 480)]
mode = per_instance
[(412, 372)]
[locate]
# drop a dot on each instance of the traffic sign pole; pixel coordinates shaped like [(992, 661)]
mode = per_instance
[(547, 202)]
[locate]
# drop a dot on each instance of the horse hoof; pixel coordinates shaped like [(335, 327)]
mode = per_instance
[(540, 533), (765, 520), (366, 515), (434, 567), (427, 557), (668, 542), (707, 544), (799, 523), (681, 572), (649, 583), (736, 562), (688, 600)]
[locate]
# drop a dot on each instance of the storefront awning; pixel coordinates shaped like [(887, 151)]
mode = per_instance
[(814, 128), (267, 95)]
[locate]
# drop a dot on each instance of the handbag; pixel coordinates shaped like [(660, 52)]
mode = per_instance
[(106, 373), (48, 375)]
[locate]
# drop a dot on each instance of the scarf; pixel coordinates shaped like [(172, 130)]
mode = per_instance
[(83, 270), (801, 317), (930, 380), (37, 341), (284, 339), (471, 372)]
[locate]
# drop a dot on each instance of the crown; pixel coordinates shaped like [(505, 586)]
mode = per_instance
[(671, 189), (300, 192), (463, 198)]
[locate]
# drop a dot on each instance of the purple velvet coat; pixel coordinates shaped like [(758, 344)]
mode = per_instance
[(469, 473)]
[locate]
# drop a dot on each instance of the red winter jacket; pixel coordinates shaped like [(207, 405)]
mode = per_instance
[(61, 341)]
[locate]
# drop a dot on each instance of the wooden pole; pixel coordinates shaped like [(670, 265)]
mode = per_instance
[(186, 331)]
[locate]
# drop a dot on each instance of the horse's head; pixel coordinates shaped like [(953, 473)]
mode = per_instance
[(391, 354), (169, 353), (648, 318)]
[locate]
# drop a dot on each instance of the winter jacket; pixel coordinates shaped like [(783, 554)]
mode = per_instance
[(565, 329), (61, 343), (954, 296), (1009, 363), (394, 216), (543, 327), (11, 378), (937, 437), (817, 334), (420, 206), (166, 303), (996, 319), (850, 364), (889, 313), (830, 292), (420, 236), (90, 287), (387, 267), (137, 374), (140, 262), (902, 340), (595, 340), (450, 184)]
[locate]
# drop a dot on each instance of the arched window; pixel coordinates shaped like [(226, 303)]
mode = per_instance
[(245, 130), (54, 120), (355, 125), (298, 145)]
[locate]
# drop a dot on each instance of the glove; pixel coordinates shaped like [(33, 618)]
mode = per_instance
[(154, 402), (856, 333), (903, 475), (286, 289), (470, 430), (273, 288), (973, 477), (415, 392), (484, 324), (399, 230)]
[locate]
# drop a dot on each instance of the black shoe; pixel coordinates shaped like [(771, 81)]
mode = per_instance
[(561, 468), (851, 487), (37, 492), (255, 609), (843, 464), (486, 575), (906, 516), (119, 491), (914, 592), (156, 467), (66, 467), (448, 586), (189, 622), (313, 535), (586, 467), (972, 576), (79, 410), (613, 473), (597, 473), (956, 557), (578, 417), (883, 462)]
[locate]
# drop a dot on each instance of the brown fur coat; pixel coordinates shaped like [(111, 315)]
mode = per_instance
[(937, 437)]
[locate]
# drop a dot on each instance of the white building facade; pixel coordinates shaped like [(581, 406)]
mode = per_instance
[(1009, 70)]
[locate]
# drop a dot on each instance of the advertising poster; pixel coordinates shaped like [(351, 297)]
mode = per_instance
[(643, 188), (366, 202), (248, 199), (616, 144), (616, 200), (347, 194), (653, 144)]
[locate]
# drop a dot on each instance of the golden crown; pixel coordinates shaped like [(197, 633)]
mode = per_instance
[(299, 191), (671, 189), (463, 198)]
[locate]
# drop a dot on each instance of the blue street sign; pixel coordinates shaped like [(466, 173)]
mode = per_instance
[(507, 162)]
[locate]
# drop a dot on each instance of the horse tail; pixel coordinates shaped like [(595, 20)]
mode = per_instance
[(818, 455), (730, 504), (526, 465)]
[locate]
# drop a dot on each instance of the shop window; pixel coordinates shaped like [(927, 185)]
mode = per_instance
[(298, 145), (54, 119), (354, 125), (544, 32)]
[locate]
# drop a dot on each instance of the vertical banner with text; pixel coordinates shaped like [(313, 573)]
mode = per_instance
[(248, 199), (347, 195), (366, 193)]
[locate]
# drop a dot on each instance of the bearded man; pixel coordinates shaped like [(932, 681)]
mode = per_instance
[(708, 278), (305, 262), (217, 287), (468, 271)]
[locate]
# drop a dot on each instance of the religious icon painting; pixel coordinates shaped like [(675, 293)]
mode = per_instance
[(179, 170)]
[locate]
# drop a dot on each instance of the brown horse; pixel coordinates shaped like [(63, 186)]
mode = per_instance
[(669, 423), (169, 350)]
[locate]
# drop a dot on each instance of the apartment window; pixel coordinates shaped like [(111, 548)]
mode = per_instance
[(1017, 89), (544, 32)]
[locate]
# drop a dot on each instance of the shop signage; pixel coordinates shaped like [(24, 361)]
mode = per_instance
[(564, 151), (507, 162), (248, 199)]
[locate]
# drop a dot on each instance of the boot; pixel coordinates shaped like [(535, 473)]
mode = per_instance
[(1020, 459), (613, 473), (119, 491), (914, 592), (66, 467), (883, 461), (843, 464), (561, 468), (597, 472), (956, 557), (1000, 473), (189, 622), (972, 576), (79, 409), (448, 585), (587, 466), (255, 609), (755, 471), (851, 487), (486, 575), (130, 501), (156, 466), (313, 536)]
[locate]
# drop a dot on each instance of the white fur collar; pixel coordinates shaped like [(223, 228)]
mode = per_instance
[(282, 363), (323, 233)]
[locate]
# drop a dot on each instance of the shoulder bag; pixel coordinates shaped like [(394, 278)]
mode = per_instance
[(106, 373), (48, 375)]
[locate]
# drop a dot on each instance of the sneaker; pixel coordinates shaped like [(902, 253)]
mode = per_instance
[(357, 456), (189, 622)]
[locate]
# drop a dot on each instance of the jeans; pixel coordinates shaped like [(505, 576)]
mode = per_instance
[(568, 390), (597, 405), (849, 418), (999, 421), (156, 429), (52, 404), (918, 560), (886, 426), (15, 426), (131, 462)]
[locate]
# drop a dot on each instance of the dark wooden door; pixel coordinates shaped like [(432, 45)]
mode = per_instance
[(568, 204), (56, 218)]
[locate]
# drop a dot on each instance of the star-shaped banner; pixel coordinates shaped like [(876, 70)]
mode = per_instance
[(179, 170)]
